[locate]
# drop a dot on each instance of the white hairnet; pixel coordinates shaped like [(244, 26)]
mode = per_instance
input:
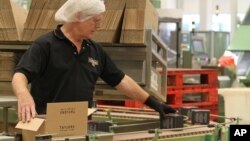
[(79, 10)]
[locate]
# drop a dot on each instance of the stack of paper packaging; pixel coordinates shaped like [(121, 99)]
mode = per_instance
[(12, 18), (111, 26), (125, 21), (40, 18), (7, 64), (139, 15)]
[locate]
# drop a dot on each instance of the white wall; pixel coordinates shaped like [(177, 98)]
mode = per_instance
[(202, 11), (243, 6), (192, 6), (168, 4)]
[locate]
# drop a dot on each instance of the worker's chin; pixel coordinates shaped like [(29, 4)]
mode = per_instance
[(90, 35)]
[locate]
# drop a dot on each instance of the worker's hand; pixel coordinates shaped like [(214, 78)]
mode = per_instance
[(159, 107), (26, 107)]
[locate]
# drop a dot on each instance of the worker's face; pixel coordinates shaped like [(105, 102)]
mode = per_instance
[(87, 28)]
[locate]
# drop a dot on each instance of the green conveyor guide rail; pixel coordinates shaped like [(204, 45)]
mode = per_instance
[(241, 40)]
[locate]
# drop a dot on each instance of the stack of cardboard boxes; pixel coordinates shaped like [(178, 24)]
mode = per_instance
[(111, 26), (7, 64), (40, 18), (12, 18), (139, 15), (125, 21)]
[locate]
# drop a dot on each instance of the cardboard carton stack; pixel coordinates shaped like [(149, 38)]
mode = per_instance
[(7, 64), (139, 15), (111, 26), (12, 17), (125, 21), (40, 18)]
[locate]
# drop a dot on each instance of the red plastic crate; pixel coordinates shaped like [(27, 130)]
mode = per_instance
[(110, 102), (192, 96), (134, 104), (205, 78), (125, 103)]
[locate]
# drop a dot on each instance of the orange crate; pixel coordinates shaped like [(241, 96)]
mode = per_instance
[(188, 95), (179, 78), (110, 102), (125, 103), (134, 104)]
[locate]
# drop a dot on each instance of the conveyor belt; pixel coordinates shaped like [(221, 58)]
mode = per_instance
[(135, 136), (147, 111), (138, 129), (195, 132), (128, 115)]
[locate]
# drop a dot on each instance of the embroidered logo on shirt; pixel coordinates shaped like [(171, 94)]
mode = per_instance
[(93, 62)]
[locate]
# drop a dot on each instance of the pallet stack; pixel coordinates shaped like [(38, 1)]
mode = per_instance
[(12, 18), (40, 18), (188, 87), (110, 30)]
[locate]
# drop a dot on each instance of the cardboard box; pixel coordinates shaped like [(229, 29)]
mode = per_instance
[(31, 129), (139, 15), (112, 22), (62, 119)]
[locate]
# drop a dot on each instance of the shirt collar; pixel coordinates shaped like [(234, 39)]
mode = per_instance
[(58, 32)]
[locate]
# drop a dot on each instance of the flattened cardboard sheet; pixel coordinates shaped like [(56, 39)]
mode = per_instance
[(33, 125)]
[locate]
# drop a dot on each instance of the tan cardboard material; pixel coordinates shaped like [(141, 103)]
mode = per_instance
[(33, 125), (67, 118), (62, 119)]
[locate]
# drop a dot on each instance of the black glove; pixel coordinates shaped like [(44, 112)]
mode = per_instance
[(159, 107)]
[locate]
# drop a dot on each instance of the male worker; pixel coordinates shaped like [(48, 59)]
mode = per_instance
[(64, 65)]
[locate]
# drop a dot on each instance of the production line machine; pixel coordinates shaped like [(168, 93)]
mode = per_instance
[(124, 124), (111, 123), (190, 124), (240, 50)]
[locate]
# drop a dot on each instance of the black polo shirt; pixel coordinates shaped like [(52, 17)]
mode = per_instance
[(57, 73)]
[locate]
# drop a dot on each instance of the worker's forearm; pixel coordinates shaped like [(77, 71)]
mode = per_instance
[(131, 89), (20, 84), (26, 105)]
